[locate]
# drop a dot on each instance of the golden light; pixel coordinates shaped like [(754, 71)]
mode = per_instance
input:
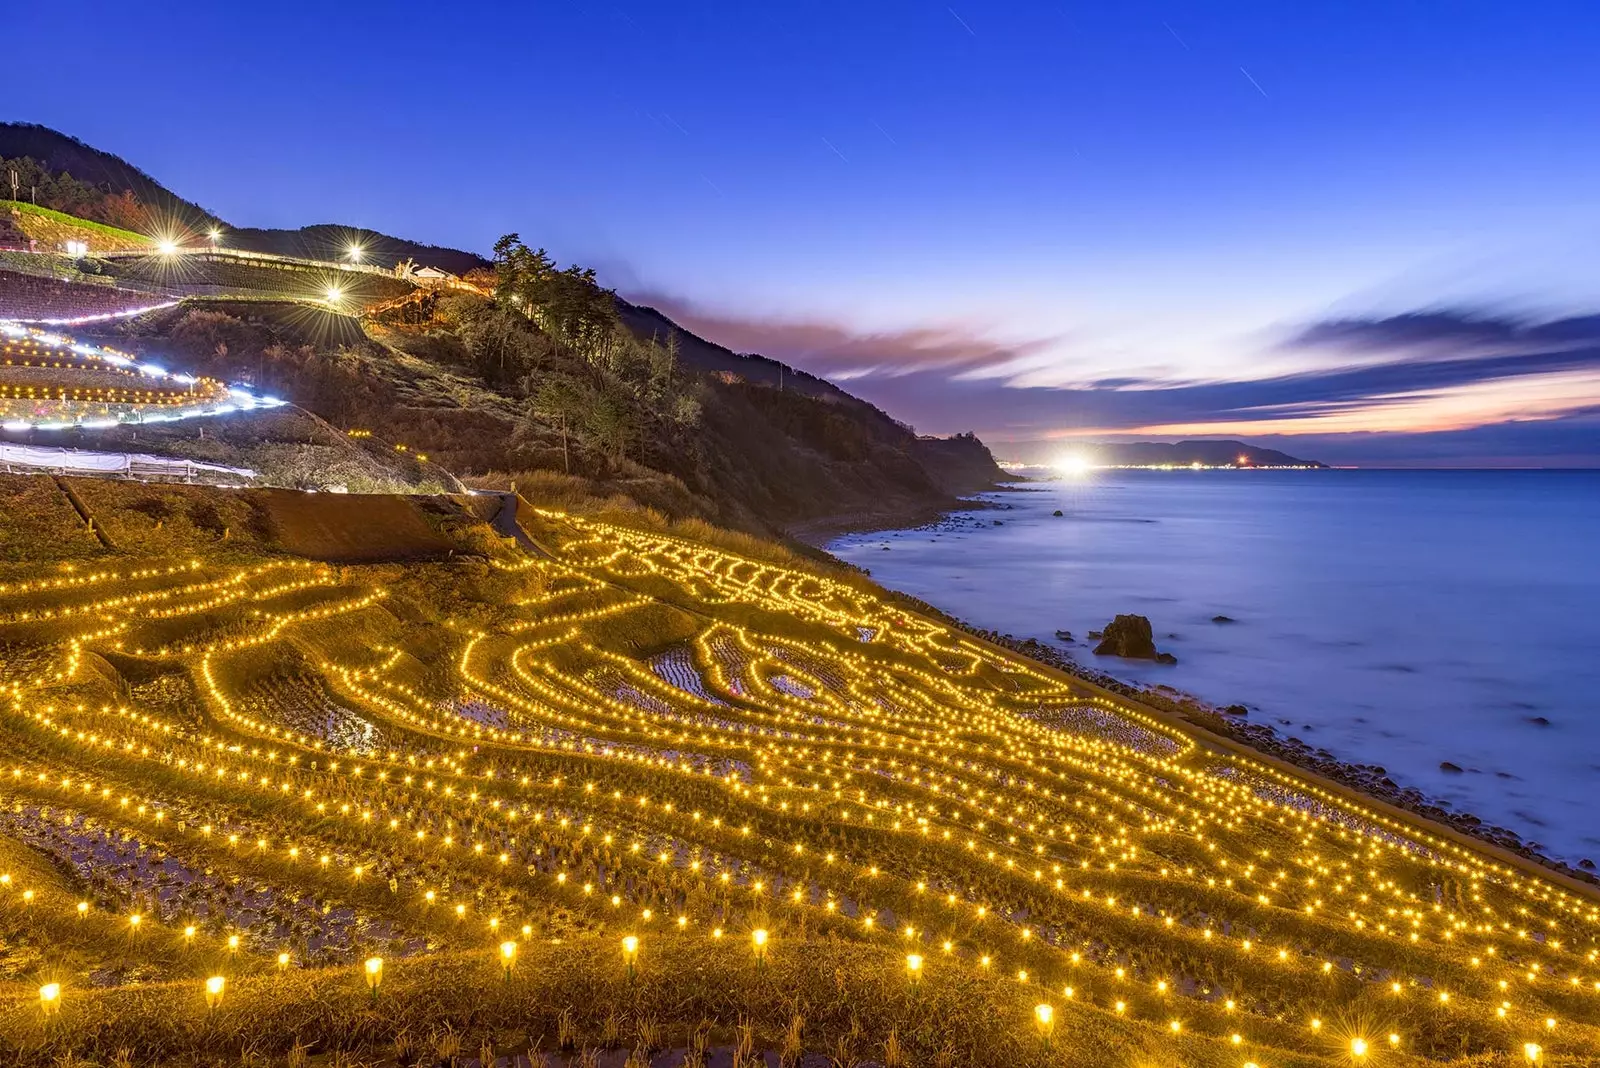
[(1045, 1016), (1533, 1052), (233, 943), (759, 937), (630, 952), (214, 987), (353, 252), (166, 246), (50, 998), (135, 920), (189, 933), (283, 960), (374, 969), (1358, 1048), (214, 235), (83, 909), (914, 965), (332, 295)]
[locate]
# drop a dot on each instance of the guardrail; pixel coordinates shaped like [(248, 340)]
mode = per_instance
[(145, 467)]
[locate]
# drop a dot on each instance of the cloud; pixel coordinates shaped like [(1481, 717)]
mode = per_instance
[(1458, 331), (840, 352)]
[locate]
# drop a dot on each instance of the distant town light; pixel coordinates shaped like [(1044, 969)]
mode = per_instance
[(333, 295), (166, 246), (354, 252)]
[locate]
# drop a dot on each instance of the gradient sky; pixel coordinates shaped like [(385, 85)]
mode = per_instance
[(1362, 231)]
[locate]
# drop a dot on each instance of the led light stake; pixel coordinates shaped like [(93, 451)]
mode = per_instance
[(759, 938), (630, 953), (508, 957)]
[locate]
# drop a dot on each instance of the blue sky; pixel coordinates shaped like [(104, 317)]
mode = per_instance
[(1047, 222)]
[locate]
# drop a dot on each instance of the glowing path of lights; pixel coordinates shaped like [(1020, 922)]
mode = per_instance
[(211, 398)]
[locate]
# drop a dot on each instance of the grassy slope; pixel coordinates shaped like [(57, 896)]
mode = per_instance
[(51, 228)]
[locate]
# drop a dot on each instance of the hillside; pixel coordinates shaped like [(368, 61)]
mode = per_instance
[(531, 375), (755, 458), (403, 793)]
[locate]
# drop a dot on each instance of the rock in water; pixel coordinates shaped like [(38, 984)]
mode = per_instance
[(1131, 637)]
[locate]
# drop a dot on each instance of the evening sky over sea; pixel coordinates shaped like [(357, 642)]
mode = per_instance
[(1361, 231)]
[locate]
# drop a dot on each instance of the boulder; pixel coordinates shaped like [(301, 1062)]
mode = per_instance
[(1057, 513), (1453, 769), (1223, 619), (1130, 636)]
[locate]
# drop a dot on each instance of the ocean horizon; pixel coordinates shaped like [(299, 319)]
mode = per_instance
[(1400, 617)]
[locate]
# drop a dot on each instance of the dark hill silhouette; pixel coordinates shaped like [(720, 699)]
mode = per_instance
[(62, 154)]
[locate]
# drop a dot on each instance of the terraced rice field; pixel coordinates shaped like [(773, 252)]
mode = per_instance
[(639, 793)]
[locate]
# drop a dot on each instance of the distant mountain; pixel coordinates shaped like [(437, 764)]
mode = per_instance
[(1185, 453), (330, 241)]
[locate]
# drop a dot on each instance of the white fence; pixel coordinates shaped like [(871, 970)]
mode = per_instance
[(40, 459)]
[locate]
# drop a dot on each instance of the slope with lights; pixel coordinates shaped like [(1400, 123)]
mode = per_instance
[(52, 382), (637, 782)]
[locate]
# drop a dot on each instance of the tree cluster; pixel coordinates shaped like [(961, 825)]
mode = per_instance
[(555, 333), (35, 184)]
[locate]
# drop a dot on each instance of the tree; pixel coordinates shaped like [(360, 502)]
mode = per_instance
[(559, 399)]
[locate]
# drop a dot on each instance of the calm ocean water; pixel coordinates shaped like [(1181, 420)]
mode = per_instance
[(1392, 617)]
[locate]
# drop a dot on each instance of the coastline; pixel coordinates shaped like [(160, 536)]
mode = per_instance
[(1367, 782)]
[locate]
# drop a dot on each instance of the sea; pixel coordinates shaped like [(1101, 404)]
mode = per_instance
[(1400, 618)]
